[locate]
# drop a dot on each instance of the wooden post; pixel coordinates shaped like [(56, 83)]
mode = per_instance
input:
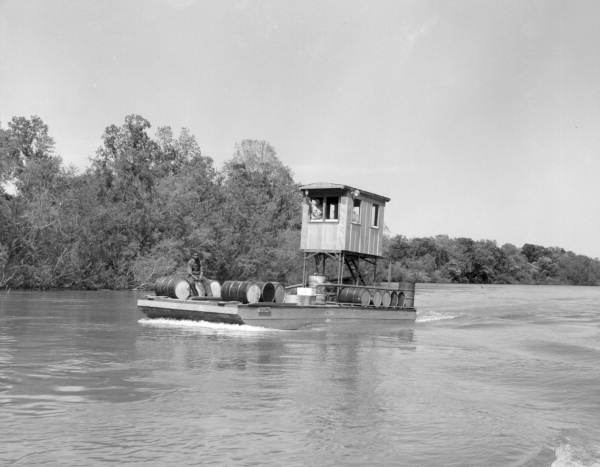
[(340, 274), (375, 271), (304, 270)]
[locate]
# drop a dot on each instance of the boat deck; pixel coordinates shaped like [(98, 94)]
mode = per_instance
[(271, 315)]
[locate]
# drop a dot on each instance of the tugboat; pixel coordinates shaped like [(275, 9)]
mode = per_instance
[(342, 233)]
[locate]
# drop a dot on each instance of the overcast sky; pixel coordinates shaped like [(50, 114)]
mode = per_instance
[(478, 118)]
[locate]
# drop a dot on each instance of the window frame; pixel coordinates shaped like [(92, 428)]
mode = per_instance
[(310, 209), (325, 208), (358, 219), (375, 215)]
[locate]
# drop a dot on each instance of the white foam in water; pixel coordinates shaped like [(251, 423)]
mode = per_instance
[(568, 456), (203, 325), (433, 316)]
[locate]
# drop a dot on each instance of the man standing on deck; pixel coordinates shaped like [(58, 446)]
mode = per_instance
[(196, 274)]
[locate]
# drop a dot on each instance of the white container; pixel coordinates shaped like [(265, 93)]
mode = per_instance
[(291, 298), (307, 291), (215, 289), (304, 300)]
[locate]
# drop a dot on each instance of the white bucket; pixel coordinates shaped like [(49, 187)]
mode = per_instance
[(215, 289)]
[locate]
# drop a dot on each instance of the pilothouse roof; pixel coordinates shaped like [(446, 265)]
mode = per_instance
[(337, 186)]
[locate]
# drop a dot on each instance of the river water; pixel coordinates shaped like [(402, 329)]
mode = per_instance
[(487, 375)]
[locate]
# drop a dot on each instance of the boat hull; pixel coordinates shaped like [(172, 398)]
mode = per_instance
[(270, 315)]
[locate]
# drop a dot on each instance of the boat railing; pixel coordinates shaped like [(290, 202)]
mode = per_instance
[(335, 284)]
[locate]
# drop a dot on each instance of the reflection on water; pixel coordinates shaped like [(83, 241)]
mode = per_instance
[(486, 376)]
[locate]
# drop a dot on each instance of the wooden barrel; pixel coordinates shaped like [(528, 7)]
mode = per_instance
[(240, 291), (408, 288), (393, 298), (267, 291), (174, 287), (354, 295), (279, 292), (386, 298)]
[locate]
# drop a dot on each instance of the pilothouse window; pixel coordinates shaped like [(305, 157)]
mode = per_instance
[(324, 208), (332, 208), (375, 215), (356, 211), (316, 209)]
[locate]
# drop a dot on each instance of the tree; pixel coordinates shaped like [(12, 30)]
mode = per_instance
[(533, 252), (516, 269), (187, 217), (260, 202), (24, 141), (31, 138), (127, 160)]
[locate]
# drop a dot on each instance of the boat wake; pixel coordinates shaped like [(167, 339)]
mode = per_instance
[(434, 316), (568, 455), (203, 326)]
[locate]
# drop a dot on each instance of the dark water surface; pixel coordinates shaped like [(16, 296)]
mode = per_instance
[(492, 375)]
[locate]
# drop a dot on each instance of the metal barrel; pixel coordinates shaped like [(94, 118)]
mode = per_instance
[(386, 298), (267, 291), (375, 298), (279, 292), (401, 298), (199, 288), (229, 290), (159, 285), (408, 288), (241, 291), (354, 295), (252, 293), (174, 287), (226, 289), (206, 288), (166, 286), (393, 298)]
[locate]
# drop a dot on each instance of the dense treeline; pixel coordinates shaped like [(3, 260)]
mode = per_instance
[(444, 259), (141, 208), (146, 202)]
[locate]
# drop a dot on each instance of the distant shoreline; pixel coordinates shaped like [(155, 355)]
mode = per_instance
[(148, 201)]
